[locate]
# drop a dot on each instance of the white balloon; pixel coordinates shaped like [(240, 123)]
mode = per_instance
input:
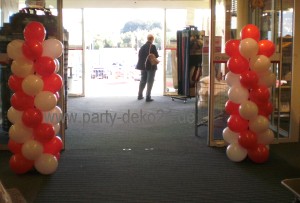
[(259, 124), (53, 116), (52, 48), (248, 48), (235, 152), (22, 67), (267, 78), (56, 128), (46, 164), (266, 137), (14, 116), (229, 136), (238, 94), (260, 63), (232, 79), (19, 133), (32, 85), (45, 100), (248, 110), (32, 149), (57, 64), (14, 49)]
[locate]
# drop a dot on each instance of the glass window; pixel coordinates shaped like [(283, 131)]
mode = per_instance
[(275, 21), (175, 20), (72, 22)]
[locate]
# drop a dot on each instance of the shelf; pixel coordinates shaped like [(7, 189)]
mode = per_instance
[(284, 87)]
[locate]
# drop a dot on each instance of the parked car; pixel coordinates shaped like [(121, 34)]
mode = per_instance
[(137, 75), (117, 70), (132, 73), (99, 73)]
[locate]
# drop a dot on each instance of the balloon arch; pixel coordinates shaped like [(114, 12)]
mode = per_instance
[(248, 105), (34, 114)]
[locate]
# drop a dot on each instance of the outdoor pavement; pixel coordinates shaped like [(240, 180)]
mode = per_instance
[(113, 87)]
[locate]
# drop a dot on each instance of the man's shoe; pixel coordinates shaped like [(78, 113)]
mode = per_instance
[(140, 97), (149, 100)]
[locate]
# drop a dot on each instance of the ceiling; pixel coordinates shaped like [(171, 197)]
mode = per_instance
[(136, 4)]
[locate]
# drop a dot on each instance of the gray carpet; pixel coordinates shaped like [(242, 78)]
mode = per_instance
[(154, 158)]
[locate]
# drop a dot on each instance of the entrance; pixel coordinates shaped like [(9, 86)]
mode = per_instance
[(109, 50), (104, 55), (227, 26)]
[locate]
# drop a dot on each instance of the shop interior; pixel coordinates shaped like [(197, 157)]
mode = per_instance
[(125, 150)]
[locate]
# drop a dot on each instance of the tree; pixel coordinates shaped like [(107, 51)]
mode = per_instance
[(132, 35), (107, 43), (132, 26)]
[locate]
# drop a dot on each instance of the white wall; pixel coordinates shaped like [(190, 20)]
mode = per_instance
[(135, 4)]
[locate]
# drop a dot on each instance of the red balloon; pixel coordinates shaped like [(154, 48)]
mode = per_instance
[(265, 109), (14, 147), (247, 139), (34, 31), (237, 64), (53, 83), (54, 146), (21, 101), (44, 66), (266, 47), (232, 47), (231, 107), (249, 79), (32, 117), (19, 164), (32, 49), (15, 83), (57, 155), (237, 124), (250, 31), (259, 154), (269, 108), (44, 132), (260, 94)]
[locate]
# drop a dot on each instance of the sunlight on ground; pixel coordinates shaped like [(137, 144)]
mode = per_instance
[(115, 87)]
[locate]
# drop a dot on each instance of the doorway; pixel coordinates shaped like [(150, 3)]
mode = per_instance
[(103, 49), (109, 46)]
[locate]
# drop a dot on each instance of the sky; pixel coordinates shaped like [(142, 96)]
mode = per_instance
[(114, 19)]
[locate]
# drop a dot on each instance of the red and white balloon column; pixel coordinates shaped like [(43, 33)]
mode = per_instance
[(248, 105), (34, 114)]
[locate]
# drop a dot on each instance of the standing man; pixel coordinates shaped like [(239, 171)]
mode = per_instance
[(147, 70)]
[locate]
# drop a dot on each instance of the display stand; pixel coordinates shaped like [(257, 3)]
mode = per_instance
[(189, 61), (202, 99), (183, 98), (293, 185), (210, 109)]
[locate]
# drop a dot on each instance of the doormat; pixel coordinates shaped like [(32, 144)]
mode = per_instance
[(16, 196)]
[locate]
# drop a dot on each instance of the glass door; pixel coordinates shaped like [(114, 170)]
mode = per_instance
[(73, 24), (212, 88), (171, 27), (275, 20)]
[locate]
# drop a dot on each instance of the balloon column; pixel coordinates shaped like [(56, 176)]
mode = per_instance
[(248, 105), (34, 114)]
